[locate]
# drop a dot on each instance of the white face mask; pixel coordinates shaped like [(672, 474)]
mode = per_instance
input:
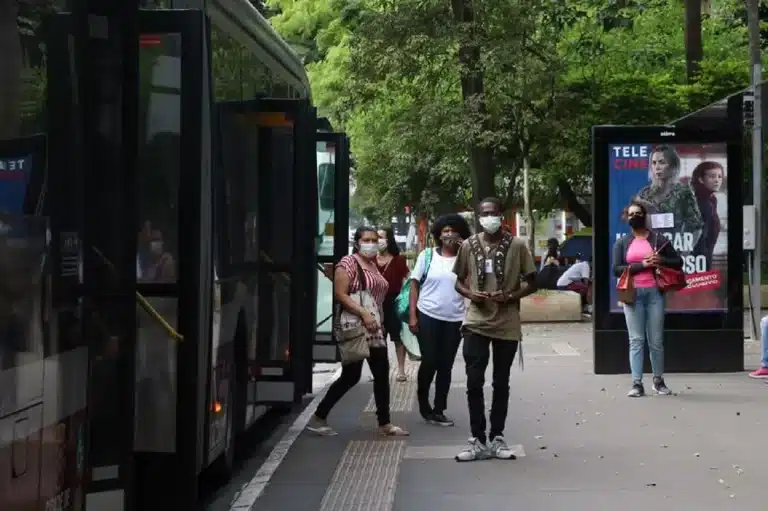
[(369, 249), (382, 245), (490, 224)]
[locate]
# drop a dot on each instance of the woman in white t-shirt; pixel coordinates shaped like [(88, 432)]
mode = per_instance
[(436, 314)]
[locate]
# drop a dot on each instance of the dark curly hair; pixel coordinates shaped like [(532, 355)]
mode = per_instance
[(453, 220), (392, 247), (633, 202)]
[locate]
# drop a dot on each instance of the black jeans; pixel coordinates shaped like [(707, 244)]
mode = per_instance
[(350, 375), (438, 341), (476, 355)]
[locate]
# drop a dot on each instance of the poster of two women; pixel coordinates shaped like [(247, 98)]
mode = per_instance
[(684, 187)]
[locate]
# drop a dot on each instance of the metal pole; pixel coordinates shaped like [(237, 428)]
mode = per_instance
[(753, 22), (757, 196)]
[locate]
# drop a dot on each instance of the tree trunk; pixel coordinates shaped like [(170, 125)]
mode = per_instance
[(694, 51), (10, 70), (527, 210), (472, 91)]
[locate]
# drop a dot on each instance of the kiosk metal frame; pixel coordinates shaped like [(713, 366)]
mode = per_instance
[(694, 342)]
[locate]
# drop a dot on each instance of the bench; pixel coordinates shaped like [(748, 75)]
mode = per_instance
[(549, 306)]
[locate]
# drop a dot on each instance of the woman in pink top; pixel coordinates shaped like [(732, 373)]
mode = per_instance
[(642, 251)]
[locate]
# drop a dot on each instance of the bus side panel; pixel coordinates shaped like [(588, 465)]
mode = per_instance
[(63, 435), (20, 459), (61, 481)]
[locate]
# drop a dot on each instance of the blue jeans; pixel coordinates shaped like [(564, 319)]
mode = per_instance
[(645, 320), (764, 342)]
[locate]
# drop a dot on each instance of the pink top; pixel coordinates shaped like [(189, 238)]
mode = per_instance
[(638, 250)]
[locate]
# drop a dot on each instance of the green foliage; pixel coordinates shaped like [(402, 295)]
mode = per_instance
[(390, 74)]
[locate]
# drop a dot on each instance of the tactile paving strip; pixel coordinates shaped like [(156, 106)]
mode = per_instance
[(402, 395), (366, 477)]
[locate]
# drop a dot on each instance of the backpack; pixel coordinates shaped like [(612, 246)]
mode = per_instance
[(499, 258), (402, 302)]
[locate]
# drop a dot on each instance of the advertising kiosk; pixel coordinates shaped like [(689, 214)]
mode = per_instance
[(690, 180)]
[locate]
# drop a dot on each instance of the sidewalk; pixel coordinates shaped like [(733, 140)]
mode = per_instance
[(582, 444)]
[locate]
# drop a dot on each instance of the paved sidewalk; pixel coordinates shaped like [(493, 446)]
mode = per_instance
[(582, 443)]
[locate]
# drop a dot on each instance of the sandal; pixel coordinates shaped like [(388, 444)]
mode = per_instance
[(392, 430), (320, 427), (402, 378)]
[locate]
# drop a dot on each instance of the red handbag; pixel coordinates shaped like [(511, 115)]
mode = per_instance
[(669, 279), (626, 288)]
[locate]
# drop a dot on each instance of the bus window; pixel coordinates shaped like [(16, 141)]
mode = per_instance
[(326, 176), (276, 212), (158, 177), (326, 190), (159, 156)]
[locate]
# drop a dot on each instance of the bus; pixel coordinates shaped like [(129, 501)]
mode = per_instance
[(184, 292)]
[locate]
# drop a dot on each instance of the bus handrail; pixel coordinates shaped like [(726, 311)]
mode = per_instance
[(144, 303)]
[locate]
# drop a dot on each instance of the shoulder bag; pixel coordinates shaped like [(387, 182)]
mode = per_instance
[(669, 279), (351, 333)]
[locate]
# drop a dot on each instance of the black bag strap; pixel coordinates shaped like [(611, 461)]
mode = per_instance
[(360, 275), (363, 286)]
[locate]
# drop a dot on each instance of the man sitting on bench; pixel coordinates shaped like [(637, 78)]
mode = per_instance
[(577, 278)]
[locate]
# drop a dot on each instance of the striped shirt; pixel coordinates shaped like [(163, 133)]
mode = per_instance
[(374, 281), (376, 284)]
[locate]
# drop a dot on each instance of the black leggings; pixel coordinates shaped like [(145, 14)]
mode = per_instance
[(350, 375), (438, 341)]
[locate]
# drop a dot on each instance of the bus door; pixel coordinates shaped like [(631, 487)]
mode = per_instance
[(276, 220), (132, 259), (89, 364), (173, 260), (332, 156)]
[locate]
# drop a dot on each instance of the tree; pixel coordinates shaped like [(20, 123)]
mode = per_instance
[(444, 101), (10, 71), (22, 66)]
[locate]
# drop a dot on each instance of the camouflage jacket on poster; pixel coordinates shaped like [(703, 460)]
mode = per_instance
[(680, 201)]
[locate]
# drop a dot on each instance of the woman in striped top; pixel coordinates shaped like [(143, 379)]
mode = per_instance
[(345, 281)]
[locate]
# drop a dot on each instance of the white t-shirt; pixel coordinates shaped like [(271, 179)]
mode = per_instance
[(576, 272), (438, 297)]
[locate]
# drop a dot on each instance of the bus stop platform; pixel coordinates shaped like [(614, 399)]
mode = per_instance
[(582, 444)]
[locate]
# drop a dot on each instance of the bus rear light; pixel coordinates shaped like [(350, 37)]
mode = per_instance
[(216, 407), (150, 40)]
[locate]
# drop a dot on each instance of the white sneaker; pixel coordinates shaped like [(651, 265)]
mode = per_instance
[(500, 450), (476, 451)]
